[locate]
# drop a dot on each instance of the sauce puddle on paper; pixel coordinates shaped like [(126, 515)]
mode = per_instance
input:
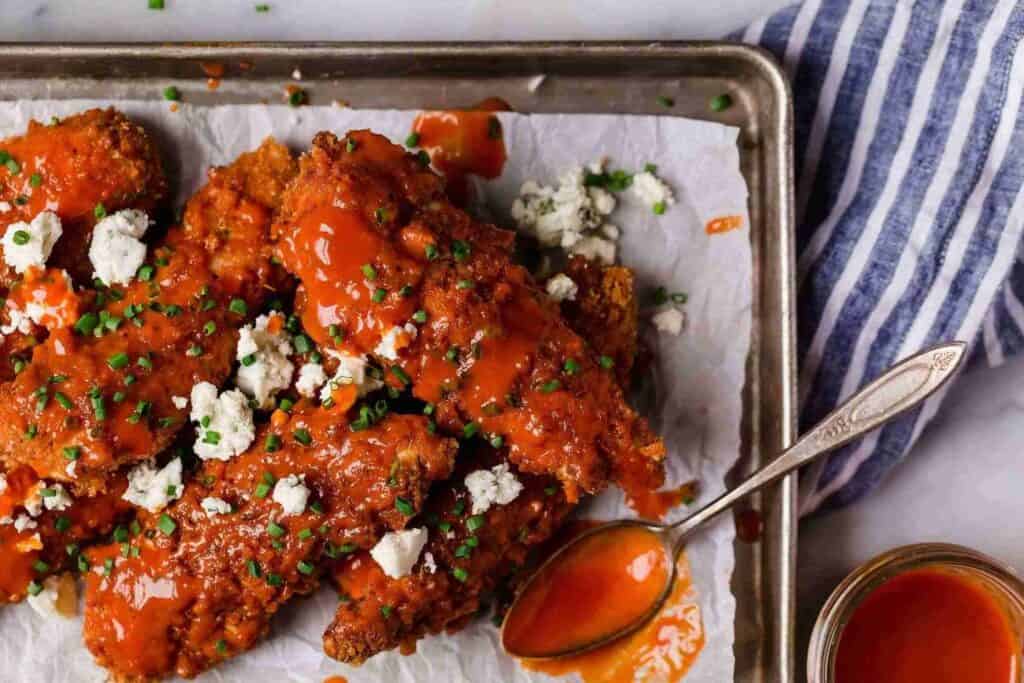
[(663, 650), (655, 504)]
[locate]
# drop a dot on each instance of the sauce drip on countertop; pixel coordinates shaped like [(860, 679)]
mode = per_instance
[(928, 626), (600, 585)]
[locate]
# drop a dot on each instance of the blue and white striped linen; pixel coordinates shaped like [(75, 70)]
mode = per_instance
[(910, 163)]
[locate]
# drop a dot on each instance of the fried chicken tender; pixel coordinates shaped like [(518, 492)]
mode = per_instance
[(390, 267), (71, 166), (104, 386), (432, 598), (380, 613), (202, 580)]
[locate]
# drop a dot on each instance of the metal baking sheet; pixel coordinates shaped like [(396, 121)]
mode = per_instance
[(623, 78)]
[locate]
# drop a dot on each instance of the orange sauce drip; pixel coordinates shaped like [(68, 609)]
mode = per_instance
[(328, 250), (212, 69), (50, 289), (723, 224), (655, 504), (601, 584), (335, 679), (928, 626), (463, 142), (663, 650)]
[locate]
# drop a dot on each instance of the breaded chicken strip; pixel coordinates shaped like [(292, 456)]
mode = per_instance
[(389, 267), (202, 580), (103, 388), (71, 166), (470, 560)]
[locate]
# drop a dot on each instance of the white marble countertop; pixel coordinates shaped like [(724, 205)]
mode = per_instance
[(956, 486), (131, 20)]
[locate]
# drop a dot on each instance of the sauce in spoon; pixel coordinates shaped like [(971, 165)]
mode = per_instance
[(600, 585)]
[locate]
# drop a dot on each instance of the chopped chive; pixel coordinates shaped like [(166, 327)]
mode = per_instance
[(659, 208), (452, 354), (31, 432), (285, 404), (459, 508), (430, 251), (461, 250), (369, 271), (120, 534), (249, 360), (262, 7), (420, 316), (238, 307), (276, 530), (72, 452), (548, 387), (400, 374), (667, 102), (721, 102), (21, 237), (144, 362), (475, 522), (63, 400), (254, 568), (297, 97), (317, 507), (404, 506), (99, 211), (470, 430), (62, 524), (350, 145), (463, 551), (465, 284), (305, 567), (305, 534), (571, 367), (272, 443), (262, 489), (166, 525), (550, 490), (274, 580), (413, 140), (460, 574), (607, 362), (35, 180), (34, 588), (221, 645), (82, 563), (13, 166), (145, 273), (211, 437), (303, 436), (379, 295), (303, 344), (423, 158), (194, 351), (118, 360), (156, 4), (385, 611), (497, 441), (209, 328)]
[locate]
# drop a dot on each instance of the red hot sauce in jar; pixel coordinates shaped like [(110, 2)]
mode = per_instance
[(928, 625)]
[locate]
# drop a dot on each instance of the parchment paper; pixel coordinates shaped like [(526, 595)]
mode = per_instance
[(697, 379)]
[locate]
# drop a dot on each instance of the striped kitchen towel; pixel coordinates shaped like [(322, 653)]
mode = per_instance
[(909, 162)]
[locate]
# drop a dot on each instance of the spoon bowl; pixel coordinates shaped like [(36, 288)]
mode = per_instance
[(624, 571)]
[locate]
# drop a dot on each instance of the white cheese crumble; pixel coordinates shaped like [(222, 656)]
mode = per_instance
[(428, 563), (56, 498), (215, 506), (595, 249), (264, 367), (394, 340), (38, 238), (33, 502), (23, 522), (180, 402), (5, 207), (45, 601), (225, 426), (398, 551), (19, 320), (3, 482), (152, 488), (351, 370), (496, 486), (561, 288), (560, 216), (652, 191), (311, 378), (117, 252), (670, 320), (291, 494), (70, 469)]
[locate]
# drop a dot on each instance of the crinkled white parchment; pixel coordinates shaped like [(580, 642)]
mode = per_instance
[(697, 381)]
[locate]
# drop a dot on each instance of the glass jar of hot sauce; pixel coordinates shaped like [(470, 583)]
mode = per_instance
[(924, 613)]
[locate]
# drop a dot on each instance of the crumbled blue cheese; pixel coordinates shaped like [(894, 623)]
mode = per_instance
[(394, 340), (152, 488), (215, 506), (311, 378), (669, 320), (496, 486), (429, 564), (595, 248), (264, 367), (560, 217), (33, 502), (42, 233), (180, 402), (561, 288), (56, 498), (225, 426), (117, 250), (291, 494), (398, 551), (23, 522), (45, 601), (351, 370), (651, 191)]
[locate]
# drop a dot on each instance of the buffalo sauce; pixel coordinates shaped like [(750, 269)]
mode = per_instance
[(663, 649), (651, 504), (927, 626), (462, 143), (601, 584)]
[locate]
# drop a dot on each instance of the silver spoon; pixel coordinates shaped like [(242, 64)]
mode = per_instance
[(902, 387)]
